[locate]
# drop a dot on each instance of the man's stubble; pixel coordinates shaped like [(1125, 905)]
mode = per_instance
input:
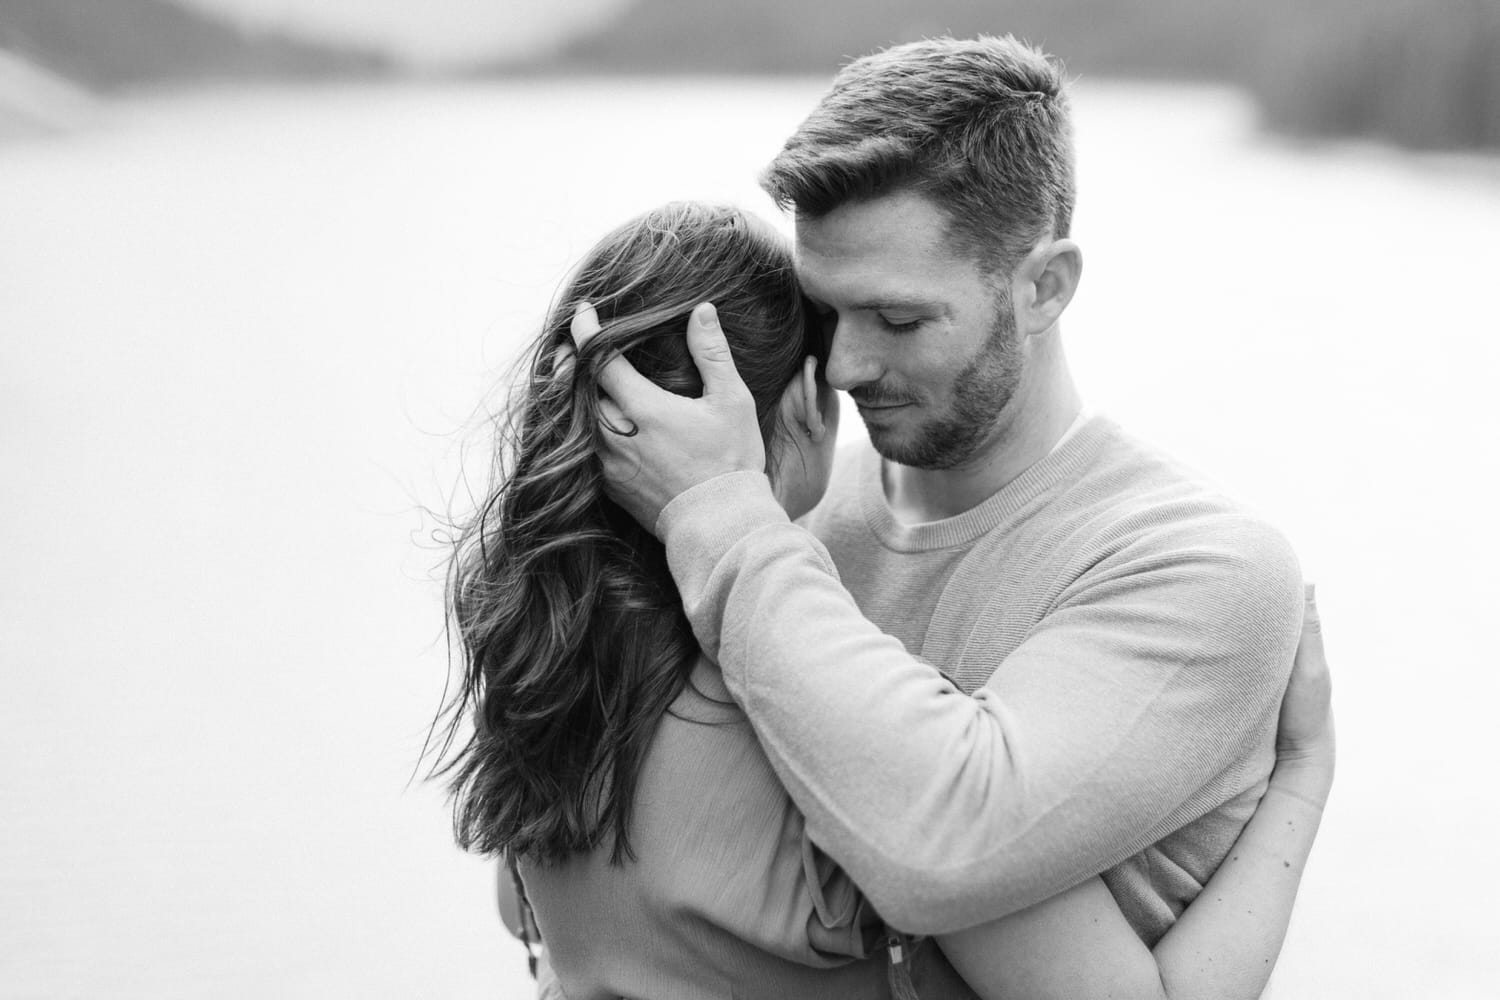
[(981, 390)]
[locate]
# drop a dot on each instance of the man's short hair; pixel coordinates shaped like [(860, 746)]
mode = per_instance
[(979, 126)]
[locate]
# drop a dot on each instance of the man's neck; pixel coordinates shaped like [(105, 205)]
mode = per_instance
[(1028, 429)]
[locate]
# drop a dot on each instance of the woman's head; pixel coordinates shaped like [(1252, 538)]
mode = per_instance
[(571, 628), (644, 278)]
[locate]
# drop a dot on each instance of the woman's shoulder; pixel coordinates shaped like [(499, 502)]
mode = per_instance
[(705, 774)]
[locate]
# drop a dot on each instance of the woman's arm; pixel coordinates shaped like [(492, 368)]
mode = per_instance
[(1078, 945)]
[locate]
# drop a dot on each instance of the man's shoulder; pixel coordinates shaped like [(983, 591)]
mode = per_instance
[(1134, 494), (1141, 525)]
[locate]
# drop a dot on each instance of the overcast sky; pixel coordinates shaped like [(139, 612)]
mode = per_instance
[(430, 32)]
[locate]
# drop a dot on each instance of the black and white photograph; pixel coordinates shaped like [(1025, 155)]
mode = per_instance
[(655, 500)]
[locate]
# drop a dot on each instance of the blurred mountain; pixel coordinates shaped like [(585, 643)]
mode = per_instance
[(1423, 73), (34, 100), (108, 44), (1102, 36), (430, 36)]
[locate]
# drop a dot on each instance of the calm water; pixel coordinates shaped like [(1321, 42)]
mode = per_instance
[(242, 339)]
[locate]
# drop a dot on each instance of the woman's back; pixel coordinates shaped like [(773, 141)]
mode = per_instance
[(725, 896)]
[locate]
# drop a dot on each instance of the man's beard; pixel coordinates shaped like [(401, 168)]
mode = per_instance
[(980, 391)]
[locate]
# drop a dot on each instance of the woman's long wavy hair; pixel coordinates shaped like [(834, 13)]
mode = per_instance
[(571, 631)]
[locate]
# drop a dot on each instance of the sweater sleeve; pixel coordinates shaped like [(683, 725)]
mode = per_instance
[(1095, 738)]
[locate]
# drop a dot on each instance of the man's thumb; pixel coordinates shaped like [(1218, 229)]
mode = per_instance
[(705, 338)]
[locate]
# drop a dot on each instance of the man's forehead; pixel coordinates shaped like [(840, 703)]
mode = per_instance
[(893, 225), (873, 260), (866, 291)]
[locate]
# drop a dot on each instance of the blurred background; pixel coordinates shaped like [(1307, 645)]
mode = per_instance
[(263, 264)]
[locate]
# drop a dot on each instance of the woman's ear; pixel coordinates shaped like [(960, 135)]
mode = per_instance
[(812, 416), (809, 407)]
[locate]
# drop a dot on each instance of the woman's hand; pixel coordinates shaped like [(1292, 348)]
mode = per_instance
[(1305, 744)]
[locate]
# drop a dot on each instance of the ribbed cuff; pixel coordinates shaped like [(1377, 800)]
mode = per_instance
[(699, 529), (699, 526)]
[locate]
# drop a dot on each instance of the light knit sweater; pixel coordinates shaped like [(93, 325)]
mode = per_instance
[(725, 899), (1118, 636)]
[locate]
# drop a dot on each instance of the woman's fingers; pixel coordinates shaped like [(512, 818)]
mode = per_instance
[(1306, 715), (1311, 664), (1311, 623)]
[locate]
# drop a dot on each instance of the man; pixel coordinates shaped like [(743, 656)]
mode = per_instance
[(1124, 632)]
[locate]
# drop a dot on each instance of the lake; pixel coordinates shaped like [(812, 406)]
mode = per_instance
[(244, 341)]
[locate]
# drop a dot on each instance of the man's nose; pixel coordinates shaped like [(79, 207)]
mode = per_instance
[(850, 362)]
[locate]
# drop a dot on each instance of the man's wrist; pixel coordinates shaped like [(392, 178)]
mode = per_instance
[(700, 528), (734, 501)]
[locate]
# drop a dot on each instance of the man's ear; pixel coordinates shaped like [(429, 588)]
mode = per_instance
[(1044, 285), (800, 403)]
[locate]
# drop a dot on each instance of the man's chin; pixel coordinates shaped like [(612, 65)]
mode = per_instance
[(894, 446), (925, 448)]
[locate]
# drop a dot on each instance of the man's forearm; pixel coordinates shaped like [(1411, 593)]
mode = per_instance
[(947, 810), (901, 776)]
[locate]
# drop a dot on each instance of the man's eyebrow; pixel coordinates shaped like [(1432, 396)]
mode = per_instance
[(876, 305), (891, 303)]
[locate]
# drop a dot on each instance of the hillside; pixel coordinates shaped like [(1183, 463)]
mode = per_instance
[(119, 43), (793, 35), (1423, 73)]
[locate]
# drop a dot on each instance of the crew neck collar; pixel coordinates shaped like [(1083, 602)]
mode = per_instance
[(1074, 451)]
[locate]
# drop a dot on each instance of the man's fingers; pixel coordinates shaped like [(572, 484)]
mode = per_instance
[(710, 352), (620, 464), (613, 420), (617, 376), (627, 387), (563, 358), (585, 325)]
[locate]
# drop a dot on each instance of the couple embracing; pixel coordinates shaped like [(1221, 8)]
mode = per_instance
[(1004, 703)]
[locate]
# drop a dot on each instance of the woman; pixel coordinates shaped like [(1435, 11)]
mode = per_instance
[(661, 855)]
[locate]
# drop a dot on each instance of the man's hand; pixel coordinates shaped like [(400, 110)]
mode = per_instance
[(678, 442)]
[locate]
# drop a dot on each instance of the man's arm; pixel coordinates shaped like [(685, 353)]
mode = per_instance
[(1088, 745), (949, 810), (1078, 944)]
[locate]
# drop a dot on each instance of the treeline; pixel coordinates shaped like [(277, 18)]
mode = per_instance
[(1423, 73), (107, 44)]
